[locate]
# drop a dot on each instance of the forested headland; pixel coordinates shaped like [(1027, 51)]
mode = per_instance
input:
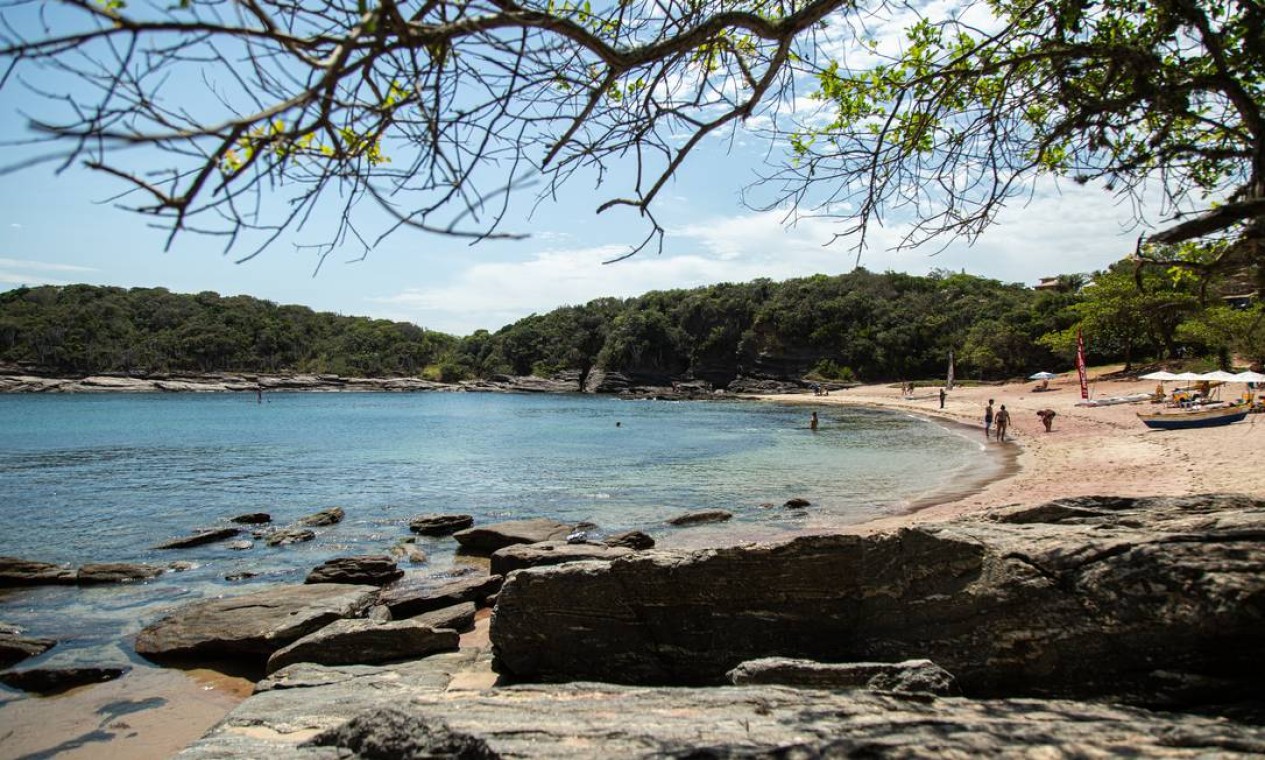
[(860, 326)]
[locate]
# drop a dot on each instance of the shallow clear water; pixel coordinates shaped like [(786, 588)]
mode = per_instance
[(92, 478)]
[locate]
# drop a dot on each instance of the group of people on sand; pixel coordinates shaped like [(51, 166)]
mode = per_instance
[(996, 423)]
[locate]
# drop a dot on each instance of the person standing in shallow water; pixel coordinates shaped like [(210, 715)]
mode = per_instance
[(1003, 422), (943, 393), (988, 418), (812, 424)]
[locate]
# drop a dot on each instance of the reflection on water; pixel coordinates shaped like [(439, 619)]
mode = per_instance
[(98, 478)]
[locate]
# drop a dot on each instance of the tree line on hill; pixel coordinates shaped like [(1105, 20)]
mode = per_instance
[(859, 326)]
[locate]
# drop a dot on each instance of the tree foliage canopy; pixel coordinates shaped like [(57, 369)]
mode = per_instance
[(438, 109)]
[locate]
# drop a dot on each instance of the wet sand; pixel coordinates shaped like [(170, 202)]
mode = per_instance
[(148, 713)]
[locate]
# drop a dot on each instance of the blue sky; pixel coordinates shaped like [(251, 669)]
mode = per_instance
[(61, 228)]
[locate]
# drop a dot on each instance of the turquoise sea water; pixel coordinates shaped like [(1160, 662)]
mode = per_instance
[(95, 478)]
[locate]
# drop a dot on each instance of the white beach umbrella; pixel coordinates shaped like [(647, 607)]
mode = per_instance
[(1219, 374), (1043, 376), (1249, 377), (1161, 375), (1186, 376)]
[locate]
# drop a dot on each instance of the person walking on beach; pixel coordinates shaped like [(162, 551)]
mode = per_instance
[(1002, 420), (988, 418), (942, 395), (812, 424)]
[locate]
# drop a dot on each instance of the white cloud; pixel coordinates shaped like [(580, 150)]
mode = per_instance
[(1079, 230), (42, 266), (27, 272)]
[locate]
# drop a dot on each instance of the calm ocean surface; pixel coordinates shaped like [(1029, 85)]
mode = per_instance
[(96, 478)]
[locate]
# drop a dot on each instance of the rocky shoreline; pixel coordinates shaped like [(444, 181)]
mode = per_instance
[(1054, 630), (15, 379)]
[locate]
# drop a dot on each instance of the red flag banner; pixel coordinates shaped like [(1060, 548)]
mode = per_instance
[(1080, 364)]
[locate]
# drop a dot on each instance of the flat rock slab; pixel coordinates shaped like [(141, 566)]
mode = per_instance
[(486, 539), (254, 625), (908, 677), (520, 556), (252, 518), (633, 539), (199, 539), (440, 525), (15, 571), (409, 598), (459, 617), (589, 720), (285, 536), (53, 680), (365, 642), (116, 572)]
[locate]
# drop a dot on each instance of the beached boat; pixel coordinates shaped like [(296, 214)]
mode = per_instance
[(1198, 417)]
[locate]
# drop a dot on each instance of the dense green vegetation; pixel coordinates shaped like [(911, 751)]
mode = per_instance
[(859, 326)]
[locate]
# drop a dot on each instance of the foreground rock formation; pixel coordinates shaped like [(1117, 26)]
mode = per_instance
[(310, 711), (1151, 601)]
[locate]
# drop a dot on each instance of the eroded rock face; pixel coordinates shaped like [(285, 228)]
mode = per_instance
[(251, 625), (519, 556), (486, 539), (633, 539), (365, 642), (1159, 601)]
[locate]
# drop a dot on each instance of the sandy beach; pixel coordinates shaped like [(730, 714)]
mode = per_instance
[(1090, 451)]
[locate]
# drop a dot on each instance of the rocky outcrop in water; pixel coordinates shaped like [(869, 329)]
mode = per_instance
[(486, 539), (324, 518), (700, 518), (440, 525), (1156, 601), (370, 570), (14, 647), (200, 538), (53, 680), (251, 626), (24, 572)]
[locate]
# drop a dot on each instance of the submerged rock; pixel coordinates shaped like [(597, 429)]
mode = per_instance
[(699, 518), (252, 518), (200, 538), (251, 625), (286, 536), (52, 680), (325, 517), (488, 538)]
